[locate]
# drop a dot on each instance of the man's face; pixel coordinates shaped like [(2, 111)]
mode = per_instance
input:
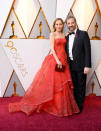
[(71, 24)]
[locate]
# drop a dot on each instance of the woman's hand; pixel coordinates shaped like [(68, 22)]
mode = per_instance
[(59, 64)]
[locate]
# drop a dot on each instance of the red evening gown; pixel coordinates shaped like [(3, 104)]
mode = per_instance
[(50, 91)]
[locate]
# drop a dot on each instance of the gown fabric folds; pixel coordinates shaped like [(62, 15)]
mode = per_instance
[(50, 91)]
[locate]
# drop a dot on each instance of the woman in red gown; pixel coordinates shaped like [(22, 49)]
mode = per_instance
[(51, 90)]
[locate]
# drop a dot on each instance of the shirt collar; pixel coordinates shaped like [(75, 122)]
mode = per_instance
[(75, 31)]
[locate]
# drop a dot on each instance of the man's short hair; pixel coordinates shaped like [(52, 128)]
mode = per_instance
[(69, 17)]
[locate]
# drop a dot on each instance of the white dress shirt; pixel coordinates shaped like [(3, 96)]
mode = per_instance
[(71, 41)]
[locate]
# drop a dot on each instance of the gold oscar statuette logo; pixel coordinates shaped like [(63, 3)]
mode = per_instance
[(14, 86), (40, 36), (92, 86), (96, 37), (13, 36)]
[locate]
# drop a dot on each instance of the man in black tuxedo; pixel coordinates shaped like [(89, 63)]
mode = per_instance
[(78, 50)]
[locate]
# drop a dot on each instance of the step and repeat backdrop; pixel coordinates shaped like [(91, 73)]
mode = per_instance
[(24, 39)]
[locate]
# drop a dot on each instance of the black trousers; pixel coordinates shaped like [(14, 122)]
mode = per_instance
[(79, 81)]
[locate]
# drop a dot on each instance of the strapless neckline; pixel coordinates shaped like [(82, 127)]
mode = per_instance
[(59, 38)]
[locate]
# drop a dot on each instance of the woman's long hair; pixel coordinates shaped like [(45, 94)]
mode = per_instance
[(55, 23)]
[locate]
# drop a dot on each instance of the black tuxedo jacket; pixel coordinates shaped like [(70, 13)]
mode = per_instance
[(81, 50)]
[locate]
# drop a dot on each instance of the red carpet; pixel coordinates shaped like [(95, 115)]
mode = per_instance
[(88, 120)]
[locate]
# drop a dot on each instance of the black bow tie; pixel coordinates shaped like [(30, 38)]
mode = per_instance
[(71, 33)]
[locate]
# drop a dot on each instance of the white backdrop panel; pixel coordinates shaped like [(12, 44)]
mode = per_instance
[(36, 30), (96, 56), (5, 6), (98, 72), (6, 70), (27, 11), (99, 3), (91, 30), (63, 8), (8, 29), (49, 8), (84, 11), (29, 54)]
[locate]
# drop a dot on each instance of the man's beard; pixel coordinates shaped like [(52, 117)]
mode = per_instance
[(72, 28)]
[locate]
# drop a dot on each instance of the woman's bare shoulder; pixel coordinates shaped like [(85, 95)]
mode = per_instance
[(63, 35), (52, 34)]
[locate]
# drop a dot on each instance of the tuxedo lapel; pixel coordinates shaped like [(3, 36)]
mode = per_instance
[(67, 45), (75, 40)]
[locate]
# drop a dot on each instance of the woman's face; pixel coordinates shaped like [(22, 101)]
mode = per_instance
[(59, 26)]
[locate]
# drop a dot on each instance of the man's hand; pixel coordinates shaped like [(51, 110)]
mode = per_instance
[(67, 34), (86, 70)]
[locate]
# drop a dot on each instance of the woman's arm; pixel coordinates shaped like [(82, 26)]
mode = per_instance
[(52, 49)]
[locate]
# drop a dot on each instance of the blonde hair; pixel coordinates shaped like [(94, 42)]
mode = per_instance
[(55, 23)]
